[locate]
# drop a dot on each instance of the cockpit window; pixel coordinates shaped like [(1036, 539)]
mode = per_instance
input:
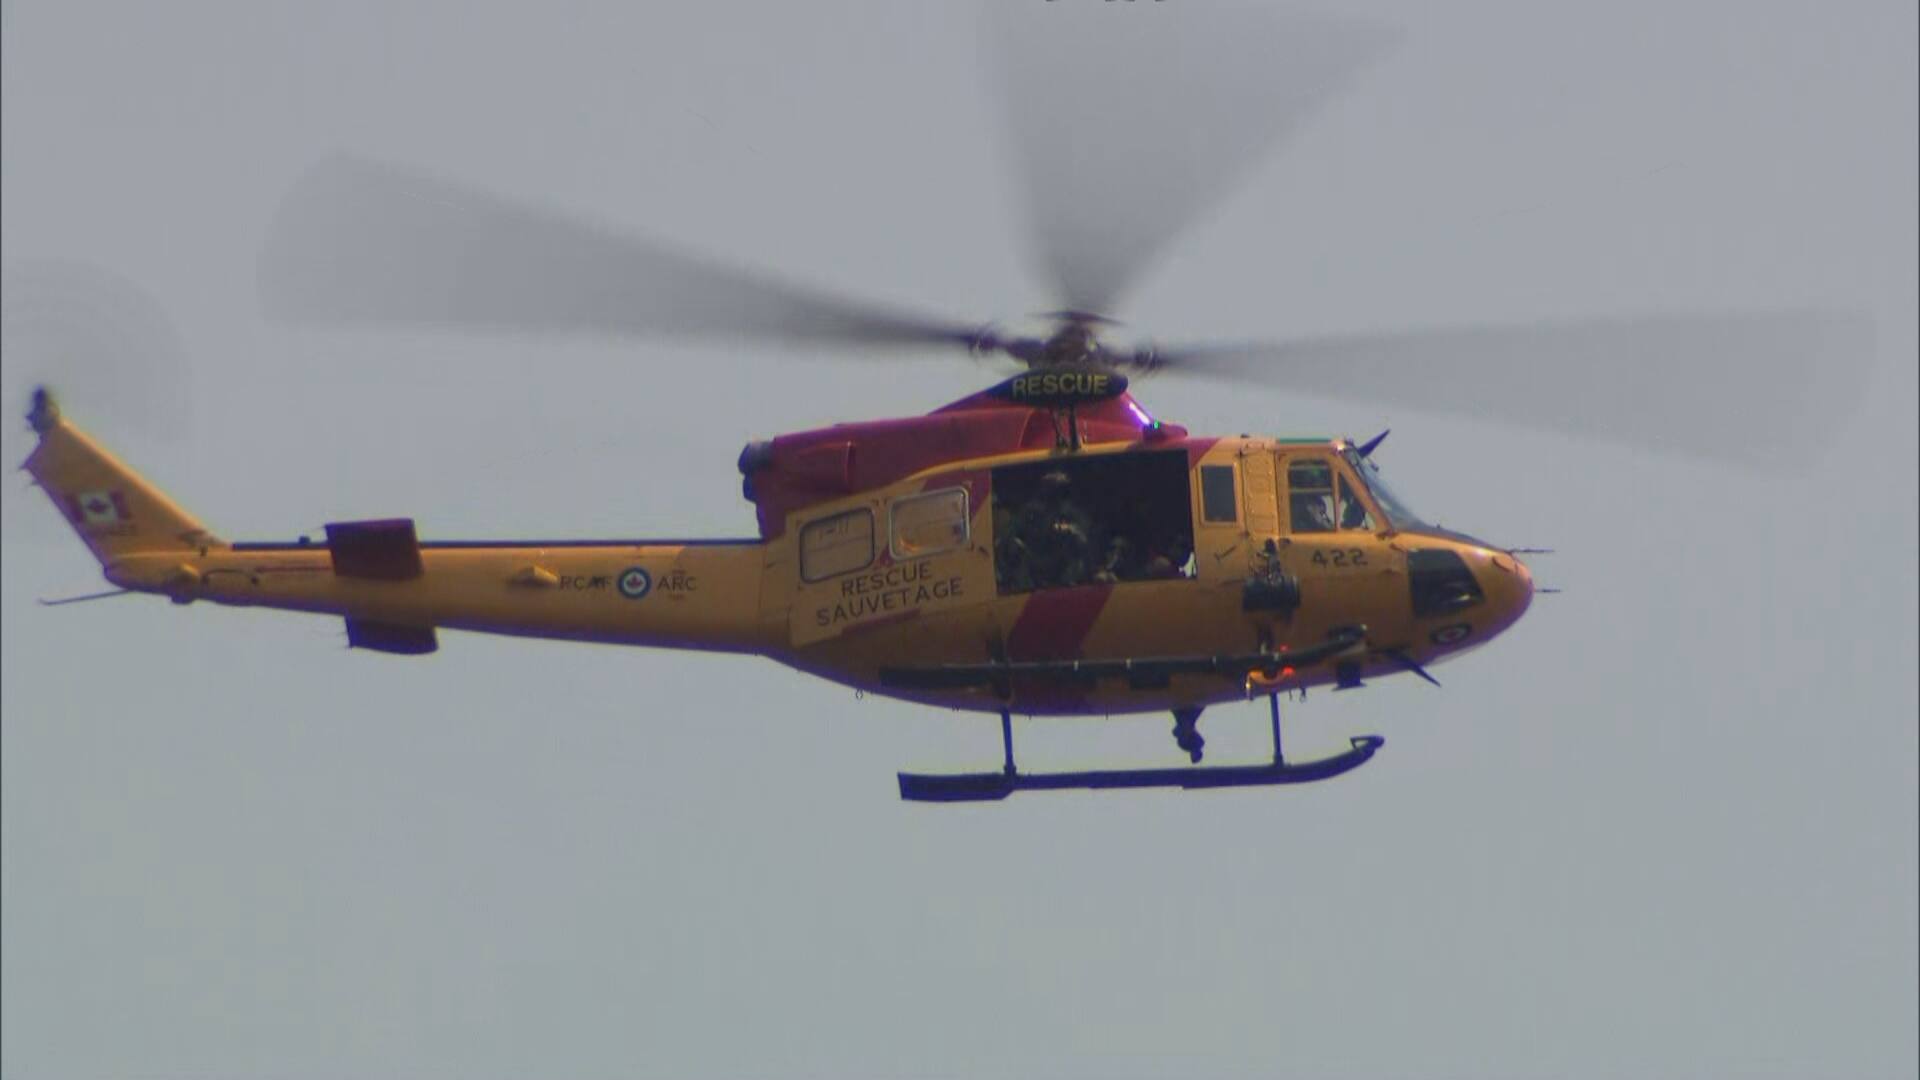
[(1353, 509), (1320, 501), (1399, 515), (1310, 494)]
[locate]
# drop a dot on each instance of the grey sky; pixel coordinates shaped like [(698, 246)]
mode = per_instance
[(1665, 827)]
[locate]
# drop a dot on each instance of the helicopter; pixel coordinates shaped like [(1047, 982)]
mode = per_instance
[(1046, 546)]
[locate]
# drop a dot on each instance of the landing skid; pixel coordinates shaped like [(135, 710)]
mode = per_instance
[(986, 787), (982, 787)]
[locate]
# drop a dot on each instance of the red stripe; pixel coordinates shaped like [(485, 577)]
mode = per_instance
[(1055, 622), (1197, 449)]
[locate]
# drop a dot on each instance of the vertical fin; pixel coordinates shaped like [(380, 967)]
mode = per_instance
[(115, 510)]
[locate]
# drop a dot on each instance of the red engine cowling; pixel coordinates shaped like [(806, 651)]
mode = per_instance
[(795, 471)]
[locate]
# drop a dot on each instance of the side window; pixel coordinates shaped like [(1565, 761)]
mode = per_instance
[(929, 524), (1310, 495), (1219, 502), (836, 545)]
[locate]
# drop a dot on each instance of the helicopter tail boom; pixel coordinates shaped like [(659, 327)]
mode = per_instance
[(392, 588)]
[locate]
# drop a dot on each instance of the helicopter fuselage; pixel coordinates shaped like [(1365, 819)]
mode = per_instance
[(1155, 551)]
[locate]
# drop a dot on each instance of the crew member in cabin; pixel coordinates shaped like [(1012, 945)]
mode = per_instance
[(1050, 543), (1119, 564)]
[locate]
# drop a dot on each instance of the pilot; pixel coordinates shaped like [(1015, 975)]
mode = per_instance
[(1353, 512), (1310, 513)]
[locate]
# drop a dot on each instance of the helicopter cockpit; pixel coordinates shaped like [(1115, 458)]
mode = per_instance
[(1320, 500), (1324, 499)]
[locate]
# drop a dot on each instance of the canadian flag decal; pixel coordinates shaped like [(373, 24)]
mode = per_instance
[(100, 508)]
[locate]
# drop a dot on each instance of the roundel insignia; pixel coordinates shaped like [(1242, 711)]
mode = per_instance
[(635, 583), (1446, 635)]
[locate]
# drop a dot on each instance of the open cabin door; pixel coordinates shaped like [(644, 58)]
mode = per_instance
[(1092, 519)]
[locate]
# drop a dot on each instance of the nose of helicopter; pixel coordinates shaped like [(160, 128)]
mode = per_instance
[(1508, 585), (1466, 591)]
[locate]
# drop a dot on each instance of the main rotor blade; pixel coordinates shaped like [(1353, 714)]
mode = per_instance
[(1745, 388), (99, 337), (362, 243), (1131, 121)]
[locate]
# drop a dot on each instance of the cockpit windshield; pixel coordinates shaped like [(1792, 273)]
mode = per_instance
[(1399, 514)]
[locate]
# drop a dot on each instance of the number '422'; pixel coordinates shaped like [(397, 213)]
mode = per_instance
[(1339, 557)]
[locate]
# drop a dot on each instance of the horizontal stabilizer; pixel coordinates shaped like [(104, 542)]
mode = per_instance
[(386, 550)]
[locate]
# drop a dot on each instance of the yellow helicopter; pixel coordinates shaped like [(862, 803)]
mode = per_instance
[(1044, 547)]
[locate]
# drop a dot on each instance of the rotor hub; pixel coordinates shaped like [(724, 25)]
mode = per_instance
[(1073, 342)]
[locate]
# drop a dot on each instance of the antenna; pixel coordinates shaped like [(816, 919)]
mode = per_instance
[(90, 596)]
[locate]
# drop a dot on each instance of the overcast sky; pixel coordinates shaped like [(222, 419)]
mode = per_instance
[(1665, 827)]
